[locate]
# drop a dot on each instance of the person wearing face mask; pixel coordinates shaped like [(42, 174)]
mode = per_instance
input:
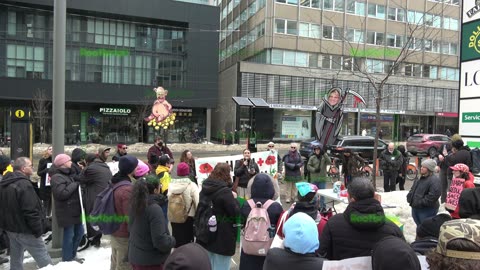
[(245, 169), (293, 163), (159, 149), (390, 162)]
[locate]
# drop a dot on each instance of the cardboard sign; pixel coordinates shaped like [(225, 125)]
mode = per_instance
[(453, 194), (48, 179), (113, 167), (266, 161)]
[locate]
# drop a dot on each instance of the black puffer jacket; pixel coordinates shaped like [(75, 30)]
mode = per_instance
[(21, 210), (462, 155), (45, 191), (94, 179), (425, 245), (226, 210), (425, 192), (390, 161), (402, 257), (355, 232), (66, 196), (150, 242), (469, 203)]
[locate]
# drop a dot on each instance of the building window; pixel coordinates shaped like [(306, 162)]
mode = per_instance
[(332, 62), (376, 11), (394, 40), (355, 7), (355, 35), (375, 66), (415, 17), (375, 38), (450, 23), (310, 3), (285, 27), (309, 30), (332, 32), (25, 62), (396, 14), (451, 74)]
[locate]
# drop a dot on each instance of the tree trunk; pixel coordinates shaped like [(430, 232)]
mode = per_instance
[(378, 102)]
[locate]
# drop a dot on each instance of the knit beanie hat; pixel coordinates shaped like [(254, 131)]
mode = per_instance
[(191, 256), (301, 234), (394, 253), (183, 169), (430, 227), (430, 164), (61, 159), (142, 169), (127, 164)]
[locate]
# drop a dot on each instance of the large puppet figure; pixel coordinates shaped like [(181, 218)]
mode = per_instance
[(330, 114)]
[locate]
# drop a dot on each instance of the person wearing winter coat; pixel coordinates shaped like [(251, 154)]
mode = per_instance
[(394, 253), (94, 179), (45, 193), (428, 232), (425, 192), (469, 203), (461, 171), (68, 210), (402, 171), (188, 158), (217, 188), (183, 232), (244, 170), (121, 151), (363, 220), (445, 178), (317, 166), (460, 154), (23, 219), (159, 149), (188, 257), (390, 162), (119, 239), (293, 163), (149, 243), (78, 163), (301, 242), (262, 191), (351, 165)]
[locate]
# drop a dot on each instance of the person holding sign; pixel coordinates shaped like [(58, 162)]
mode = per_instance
[(45, 189), (425, 192), (462, 179)]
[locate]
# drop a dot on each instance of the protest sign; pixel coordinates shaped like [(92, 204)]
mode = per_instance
[(453, 194), (113, 167), (47, 176), (266, 161)]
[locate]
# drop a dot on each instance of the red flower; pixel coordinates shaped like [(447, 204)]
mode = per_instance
[(205, 168), (270, 160)]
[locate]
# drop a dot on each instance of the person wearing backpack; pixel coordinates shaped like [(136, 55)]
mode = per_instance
[(150, 242), (67, 206), (163, 173), (121, 197), (183, 196), (263, 193), (317, 166), (216, 216)]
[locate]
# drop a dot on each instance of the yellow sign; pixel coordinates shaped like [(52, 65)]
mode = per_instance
[(19, 113)]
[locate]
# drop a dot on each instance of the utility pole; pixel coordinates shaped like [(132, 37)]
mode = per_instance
[(58, 109)]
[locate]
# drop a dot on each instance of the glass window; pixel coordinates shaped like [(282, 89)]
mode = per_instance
[(303, 30), (12, 23), (336, 62), (360, 8), (350, 6), (371, 37), (339, 5), (277, 57), (326, 61), (392, 14), (289, 58), (315, 3), (315, 31), (328, 4), (327, 32), (292, 27), (292, 2), (279, 26), (400, 15), (337, 33), (313, 60), (305, 3), (301, 59)]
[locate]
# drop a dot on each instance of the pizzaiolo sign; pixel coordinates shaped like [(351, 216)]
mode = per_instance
[(115, 111), (474, 10)]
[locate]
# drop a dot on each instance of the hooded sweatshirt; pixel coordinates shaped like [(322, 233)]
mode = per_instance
[(163, 172), (356, 231), (191, 256), (394, 253)]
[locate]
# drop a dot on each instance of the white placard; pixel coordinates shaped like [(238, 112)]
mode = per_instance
[(470, 79), (47, 176), (113, 167)]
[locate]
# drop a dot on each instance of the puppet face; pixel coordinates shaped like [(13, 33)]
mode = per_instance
[(333, 98)]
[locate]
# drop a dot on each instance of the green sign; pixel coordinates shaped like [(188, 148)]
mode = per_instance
[(473, 144), (471, 41), (374, 52), (471, 117), (103, 52)]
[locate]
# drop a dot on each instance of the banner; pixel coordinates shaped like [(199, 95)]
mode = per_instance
[(266, 161), (453, 194)]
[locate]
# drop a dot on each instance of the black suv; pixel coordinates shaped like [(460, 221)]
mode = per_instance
[(362, 145)]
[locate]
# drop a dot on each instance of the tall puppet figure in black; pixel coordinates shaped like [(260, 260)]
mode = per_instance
[(330, 117)]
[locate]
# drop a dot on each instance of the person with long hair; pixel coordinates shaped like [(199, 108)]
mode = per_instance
[(188, 158), (150, 242), (216, 188), (45, 193)]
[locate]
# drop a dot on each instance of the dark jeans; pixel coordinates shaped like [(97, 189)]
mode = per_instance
[(389, 180), (71, 239), (444, 185), (401, 182), (420, 214), (183, 232)]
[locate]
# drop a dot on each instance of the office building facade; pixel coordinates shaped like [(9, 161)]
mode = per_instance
[(117, 52), (290, 52)]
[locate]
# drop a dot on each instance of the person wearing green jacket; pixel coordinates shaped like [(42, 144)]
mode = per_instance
[(317, 166)]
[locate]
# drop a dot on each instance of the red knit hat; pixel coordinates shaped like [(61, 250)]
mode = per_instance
[(183, 169)]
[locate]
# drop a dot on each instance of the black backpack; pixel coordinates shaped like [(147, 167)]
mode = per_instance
[(204, 212)]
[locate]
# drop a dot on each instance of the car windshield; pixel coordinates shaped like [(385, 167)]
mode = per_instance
[(415, 138)]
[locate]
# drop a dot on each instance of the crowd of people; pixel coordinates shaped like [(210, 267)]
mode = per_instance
[(147, 197)]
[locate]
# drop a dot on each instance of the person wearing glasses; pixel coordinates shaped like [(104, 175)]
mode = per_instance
[(293, 163), (121, 151)]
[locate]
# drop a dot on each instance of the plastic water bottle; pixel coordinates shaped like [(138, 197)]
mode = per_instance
[(212, 223)]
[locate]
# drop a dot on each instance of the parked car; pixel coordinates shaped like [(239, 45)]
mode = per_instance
[(426, 144), (362, 145)]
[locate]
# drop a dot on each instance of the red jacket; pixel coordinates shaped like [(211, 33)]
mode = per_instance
[(467, 184), (121, 197)]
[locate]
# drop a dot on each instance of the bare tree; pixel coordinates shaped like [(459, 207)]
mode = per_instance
[(40, 105), (419, 36)]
